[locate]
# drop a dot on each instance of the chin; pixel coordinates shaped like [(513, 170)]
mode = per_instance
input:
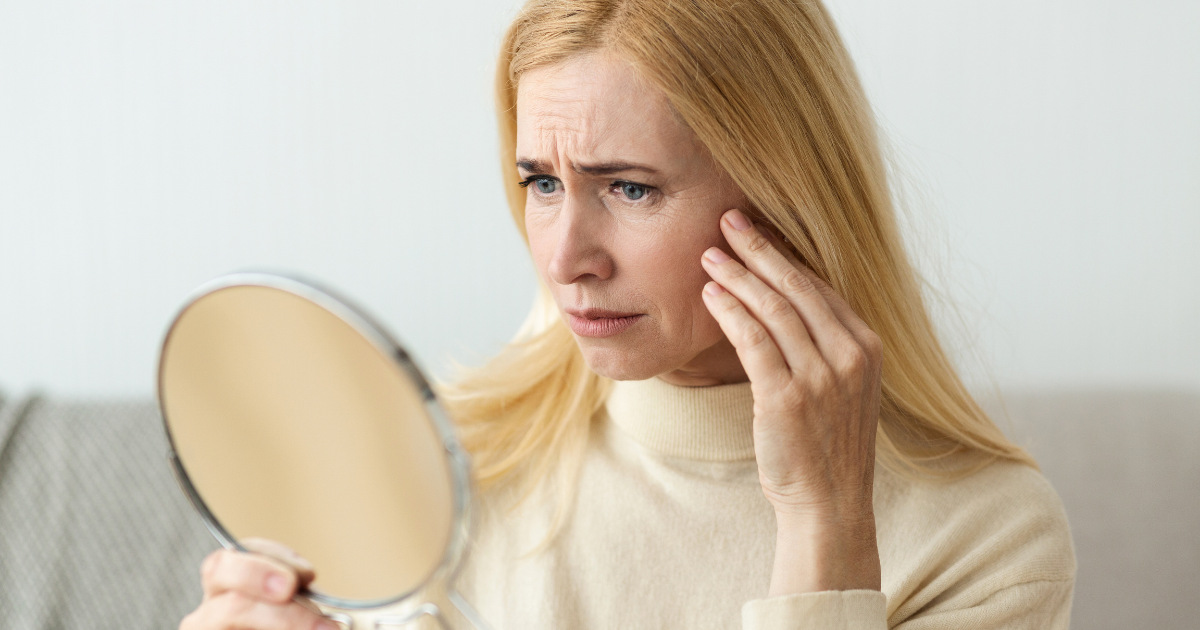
[(621, 365)]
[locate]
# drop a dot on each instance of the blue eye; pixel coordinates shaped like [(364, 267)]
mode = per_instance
[(633, 192), (543, 184)]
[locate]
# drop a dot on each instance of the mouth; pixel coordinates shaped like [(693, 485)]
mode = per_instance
[(598, 313), (597, 322)]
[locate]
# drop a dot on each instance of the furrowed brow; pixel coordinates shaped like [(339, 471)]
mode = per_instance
[(606, 168), (609, 168), (533, 166)]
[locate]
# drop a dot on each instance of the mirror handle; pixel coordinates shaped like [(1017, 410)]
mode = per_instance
[(465, 610), (383, 623)]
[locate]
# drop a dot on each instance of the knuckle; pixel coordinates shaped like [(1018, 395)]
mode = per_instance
[(236, 571), (827, 291), (873, 344), (755, 335), (795, 281), (731, 306), (248, 579), (757, 243), (821, 379), (854, 358), (735, 270), (776, 306)]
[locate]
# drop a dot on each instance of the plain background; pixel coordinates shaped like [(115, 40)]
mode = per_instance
[(1048, 154)]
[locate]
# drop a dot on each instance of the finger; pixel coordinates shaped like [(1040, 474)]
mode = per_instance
[(249, 574), (825, 328), (780, 245), (277, 550), (236, 610), (756, 350), (841, 308), (867, 339), (771, 309)]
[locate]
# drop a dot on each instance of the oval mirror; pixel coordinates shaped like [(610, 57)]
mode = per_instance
[(293, 417)]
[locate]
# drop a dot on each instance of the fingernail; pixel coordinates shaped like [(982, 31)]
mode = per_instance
[(712, 288), (328, 625), (276, 584), (715, 255), (737, 220)]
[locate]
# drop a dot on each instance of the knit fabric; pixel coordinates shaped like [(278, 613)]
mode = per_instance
[(670, 529)]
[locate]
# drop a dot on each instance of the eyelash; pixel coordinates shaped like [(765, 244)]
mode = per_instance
[(650, 190), (532, 178)]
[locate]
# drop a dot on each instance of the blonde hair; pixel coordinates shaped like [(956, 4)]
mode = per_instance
[(770, 90)]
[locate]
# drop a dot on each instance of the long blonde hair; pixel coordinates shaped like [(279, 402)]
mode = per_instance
[(770, 90)]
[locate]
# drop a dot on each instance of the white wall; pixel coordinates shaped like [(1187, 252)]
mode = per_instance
[(1058, 143), (146, 147)]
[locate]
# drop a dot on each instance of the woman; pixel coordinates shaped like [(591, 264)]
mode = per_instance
[(729, 337)]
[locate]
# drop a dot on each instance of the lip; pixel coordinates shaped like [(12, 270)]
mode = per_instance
[(597, 322), (598, 313)]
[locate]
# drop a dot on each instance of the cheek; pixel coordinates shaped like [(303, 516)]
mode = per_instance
[(540, 245), (679, 275)]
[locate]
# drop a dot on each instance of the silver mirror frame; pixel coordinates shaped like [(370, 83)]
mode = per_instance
[(457, 459)]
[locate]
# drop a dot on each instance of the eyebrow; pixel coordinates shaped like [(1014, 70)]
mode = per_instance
[(605, 168)]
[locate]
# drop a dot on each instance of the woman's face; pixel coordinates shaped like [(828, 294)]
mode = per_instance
[(621, 201)]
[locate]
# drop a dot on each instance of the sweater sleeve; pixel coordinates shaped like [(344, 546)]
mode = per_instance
[(826, 610), (1039, 605), (991, 552)]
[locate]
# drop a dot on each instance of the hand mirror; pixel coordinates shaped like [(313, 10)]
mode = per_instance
[(293, 417)]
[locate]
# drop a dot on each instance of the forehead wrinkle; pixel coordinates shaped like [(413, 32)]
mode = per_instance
[(579, 121), (561, 141), (566, 115)]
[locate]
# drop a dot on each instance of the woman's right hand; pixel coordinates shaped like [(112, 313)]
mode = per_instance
[(254, 591)]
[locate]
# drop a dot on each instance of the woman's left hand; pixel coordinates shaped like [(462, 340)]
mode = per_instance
[(814, 368)]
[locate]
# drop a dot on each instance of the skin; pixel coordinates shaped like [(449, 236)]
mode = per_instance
[(720, 301), (593, 246), (813, 364), (255, 591)]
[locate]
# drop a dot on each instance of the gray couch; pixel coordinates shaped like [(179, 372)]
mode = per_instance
[(94, 532)]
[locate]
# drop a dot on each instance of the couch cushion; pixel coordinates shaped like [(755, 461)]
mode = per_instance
[(94, 531), (1127, 466)]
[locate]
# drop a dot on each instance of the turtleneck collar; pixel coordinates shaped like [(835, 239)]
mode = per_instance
[(704, 423)]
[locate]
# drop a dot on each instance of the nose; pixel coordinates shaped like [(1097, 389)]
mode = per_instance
[(580, 253)]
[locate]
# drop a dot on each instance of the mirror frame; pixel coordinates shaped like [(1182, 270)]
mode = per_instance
[(456, 457)]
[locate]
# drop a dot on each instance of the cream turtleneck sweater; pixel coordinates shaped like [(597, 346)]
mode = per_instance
[(670, 529)]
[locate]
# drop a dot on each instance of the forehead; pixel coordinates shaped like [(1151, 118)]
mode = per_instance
[(595, 105)]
